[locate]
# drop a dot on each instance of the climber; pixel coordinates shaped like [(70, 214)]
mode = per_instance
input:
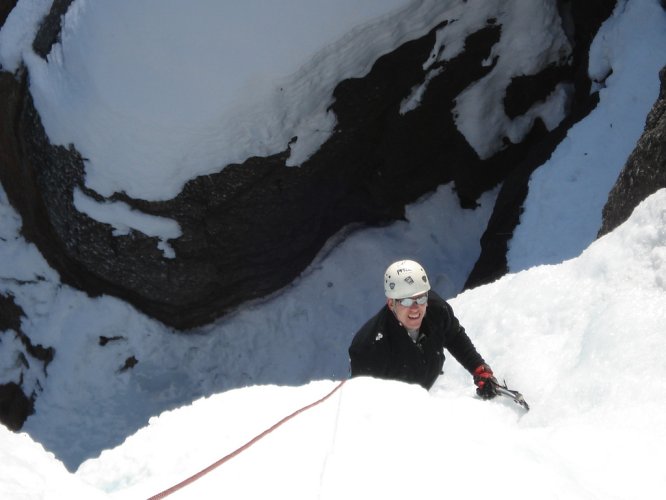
[(406, 339)]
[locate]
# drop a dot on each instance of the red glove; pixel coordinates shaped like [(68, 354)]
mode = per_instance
[(485, 381)]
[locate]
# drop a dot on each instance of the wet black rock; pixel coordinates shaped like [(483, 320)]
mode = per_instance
[(645, 170)]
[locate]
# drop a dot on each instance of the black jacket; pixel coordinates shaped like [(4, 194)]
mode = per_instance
[(383, 349)]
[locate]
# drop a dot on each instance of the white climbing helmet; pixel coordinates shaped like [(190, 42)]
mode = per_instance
[(405, 278)]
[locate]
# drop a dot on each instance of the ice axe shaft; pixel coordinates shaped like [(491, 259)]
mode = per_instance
[(515, 395)]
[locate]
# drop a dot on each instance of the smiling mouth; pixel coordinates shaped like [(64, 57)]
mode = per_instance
[(414, 316)]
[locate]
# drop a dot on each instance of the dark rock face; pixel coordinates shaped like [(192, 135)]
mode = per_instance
[(583, 19), (645, 171), (49, 30), (15, 405), (252, 228), (5, 8)]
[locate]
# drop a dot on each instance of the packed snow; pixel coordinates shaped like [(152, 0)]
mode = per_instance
[(625, 60), (122, 218), (577, 326), (123, 78)]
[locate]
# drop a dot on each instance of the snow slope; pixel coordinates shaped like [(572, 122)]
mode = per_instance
[(580, 339)]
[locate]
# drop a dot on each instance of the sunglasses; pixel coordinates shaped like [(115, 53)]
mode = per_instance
[(408, 302)]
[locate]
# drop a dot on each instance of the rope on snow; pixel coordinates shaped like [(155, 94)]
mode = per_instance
[(239, 450)]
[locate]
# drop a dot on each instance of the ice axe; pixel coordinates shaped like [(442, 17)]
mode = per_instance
[(517, 397)]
